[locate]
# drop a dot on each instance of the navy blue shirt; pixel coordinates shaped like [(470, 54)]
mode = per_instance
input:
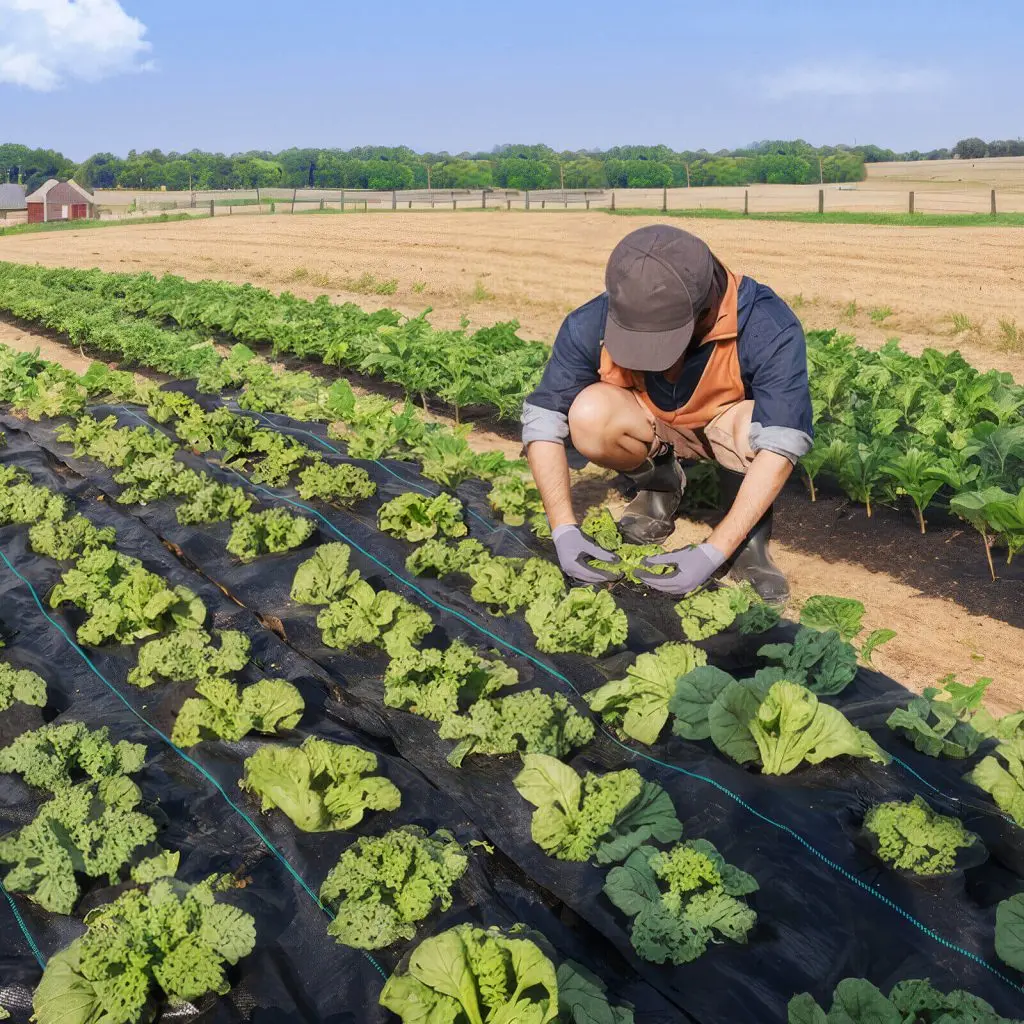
[(773, 365)]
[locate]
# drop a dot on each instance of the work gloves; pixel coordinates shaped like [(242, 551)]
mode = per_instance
[(573, 548), (693, 568)]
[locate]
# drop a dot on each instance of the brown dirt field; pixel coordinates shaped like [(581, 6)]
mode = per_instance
[(1001, 173), (536, 268)]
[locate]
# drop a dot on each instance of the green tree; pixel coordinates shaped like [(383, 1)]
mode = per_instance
[(970, 149)]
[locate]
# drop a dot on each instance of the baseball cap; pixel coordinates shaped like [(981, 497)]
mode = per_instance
[(658, 280)]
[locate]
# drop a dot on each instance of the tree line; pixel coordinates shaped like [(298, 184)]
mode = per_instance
[(507, 166)]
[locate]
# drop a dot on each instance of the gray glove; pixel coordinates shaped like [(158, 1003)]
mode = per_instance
[(572, 547), (693, 566)]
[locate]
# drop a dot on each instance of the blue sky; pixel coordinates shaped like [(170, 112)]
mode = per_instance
[(96, 75)]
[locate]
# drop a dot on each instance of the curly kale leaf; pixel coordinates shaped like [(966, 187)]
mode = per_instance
[(173, 939), (124, 600), (681, 900), (340, 484), (436, 558), (824, 662), (382, 887), (63, 541), (599, 815), (269, 706), (326, 576), (415, 517), (367, 616), (189, 655), (436, 684), (54, 756), (638, 704), (22, 686), (602, 529), (268, 532), (533, 722), (507, 584), (913, 837), (92, 828), (213, 502), (468, 974), (585, 621), (710, 611), (517, 500), (321, 786), (26, 503)]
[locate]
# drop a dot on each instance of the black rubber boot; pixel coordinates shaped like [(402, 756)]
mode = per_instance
[(650, 517), (752, 561)]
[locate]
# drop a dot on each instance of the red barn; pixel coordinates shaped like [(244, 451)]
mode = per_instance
[(60, 200)]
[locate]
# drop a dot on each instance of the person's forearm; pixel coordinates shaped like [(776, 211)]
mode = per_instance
[(764, 480), (550, 468)]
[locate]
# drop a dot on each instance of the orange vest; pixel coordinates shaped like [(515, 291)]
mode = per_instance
[(720, 385)]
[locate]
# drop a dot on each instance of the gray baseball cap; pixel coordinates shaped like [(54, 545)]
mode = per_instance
[(658, 281)]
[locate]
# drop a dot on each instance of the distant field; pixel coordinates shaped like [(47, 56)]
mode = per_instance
[(1003, 173)]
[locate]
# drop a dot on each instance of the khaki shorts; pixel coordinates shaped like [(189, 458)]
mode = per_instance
[(725, 440)]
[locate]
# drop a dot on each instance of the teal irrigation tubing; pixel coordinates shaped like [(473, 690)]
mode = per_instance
[(36, 952), (181, 753), (806, 844)]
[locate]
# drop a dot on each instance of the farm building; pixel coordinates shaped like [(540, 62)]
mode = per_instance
[(12, 198), (60, 200)]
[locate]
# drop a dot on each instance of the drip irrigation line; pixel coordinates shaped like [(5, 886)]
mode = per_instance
[(36, 952), (181, 753), (805, 843)]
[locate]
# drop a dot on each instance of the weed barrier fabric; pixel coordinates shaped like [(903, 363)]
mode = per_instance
[(827, 909), (296, 972)]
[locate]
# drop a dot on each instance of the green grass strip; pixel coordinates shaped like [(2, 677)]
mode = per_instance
[(78, 225)]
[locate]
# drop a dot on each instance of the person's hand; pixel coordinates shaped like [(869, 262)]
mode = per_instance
[(572, 547), (693, 568)]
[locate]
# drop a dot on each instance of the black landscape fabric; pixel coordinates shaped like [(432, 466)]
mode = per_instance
[(826, 907)]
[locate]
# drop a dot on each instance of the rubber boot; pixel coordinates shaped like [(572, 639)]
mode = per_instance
[(650, 517), (752, 561)]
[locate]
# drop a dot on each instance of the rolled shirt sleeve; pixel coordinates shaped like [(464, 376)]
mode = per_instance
[(572, 367)]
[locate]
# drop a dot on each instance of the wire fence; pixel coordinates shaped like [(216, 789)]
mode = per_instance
[(754, 199)]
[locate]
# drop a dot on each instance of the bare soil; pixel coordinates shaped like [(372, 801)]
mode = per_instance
[(536, 268)]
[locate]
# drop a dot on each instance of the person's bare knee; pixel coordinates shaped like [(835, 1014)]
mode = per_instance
[(607, 426)]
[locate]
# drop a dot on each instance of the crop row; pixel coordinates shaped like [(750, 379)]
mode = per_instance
[(676, 895), (929, 428)]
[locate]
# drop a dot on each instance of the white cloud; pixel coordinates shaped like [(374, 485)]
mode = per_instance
[(850, 81), (44, 43)]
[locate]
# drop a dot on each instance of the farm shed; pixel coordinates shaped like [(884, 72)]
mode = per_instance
[(60, 200), (12, 198)]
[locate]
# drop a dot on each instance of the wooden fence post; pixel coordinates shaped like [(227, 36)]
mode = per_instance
[(508, 203), (295, 192), (911, 204), (527, 200), (993, 202), (586, 199), (410, 204), (821, 200), (454, 201), (321, 204), (543, 203), (664, 199), (394, 200), (613, 200), (483, 199), (342, 200), (746, 202), (211, 208)]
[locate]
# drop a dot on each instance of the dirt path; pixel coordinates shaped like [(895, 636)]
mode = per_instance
[(535, 267)]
